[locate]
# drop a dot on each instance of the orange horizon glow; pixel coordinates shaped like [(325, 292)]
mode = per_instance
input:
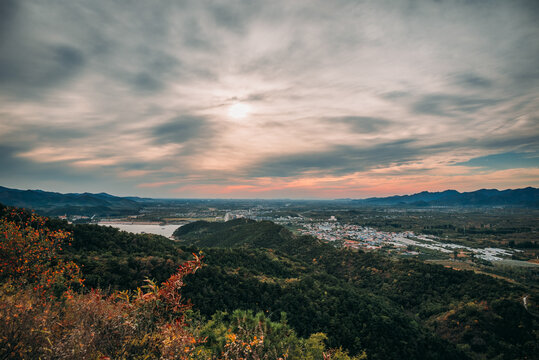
[(359, 186)]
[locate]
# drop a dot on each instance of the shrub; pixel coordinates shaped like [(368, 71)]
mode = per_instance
[(29, 255)]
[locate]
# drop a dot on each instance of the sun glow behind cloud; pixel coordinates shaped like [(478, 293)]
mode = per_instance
[(239, 110)]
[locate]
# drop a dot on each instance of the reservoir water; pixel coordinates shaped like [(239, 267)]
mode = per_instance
[(164, 230)]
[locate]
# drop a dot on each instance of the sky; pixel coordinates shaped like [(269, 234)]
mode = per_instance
[(269, 99)]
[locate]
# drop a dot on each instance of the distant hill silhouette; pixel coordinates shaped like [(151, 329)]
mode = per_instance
[(527, 197), (53, 203)]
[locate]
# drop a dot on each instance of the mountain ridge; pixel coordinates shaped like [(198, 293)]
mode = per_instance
[(54, 203), (525, 197)]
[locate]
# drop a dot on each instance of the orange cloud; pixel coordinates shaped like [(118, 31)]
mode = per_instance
[(365, 184)]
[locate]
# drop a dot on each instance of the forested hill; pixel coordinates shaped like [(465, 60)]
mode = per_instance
[(238, 232), (262, 265), (248, 233), (391, 309)]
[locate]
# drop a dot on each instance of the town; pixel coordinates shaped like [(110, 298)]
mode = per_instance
[(404, 243)]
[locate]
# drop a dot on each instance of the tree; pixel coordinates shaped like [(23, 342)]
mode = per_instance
[(29, 254)]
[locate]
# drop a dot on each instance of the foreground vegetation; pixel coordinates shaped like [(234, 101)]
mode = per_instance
[(262, 293), (47, 312)]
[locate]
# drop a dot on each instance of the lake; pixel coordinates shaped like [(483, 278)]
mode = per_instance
[(164, 230)]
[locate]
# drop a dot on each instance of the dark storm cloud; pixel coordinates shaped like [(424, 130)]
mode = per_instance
[(451, 105), (502, 161), (183, 129), (473, 81), (339, 160), (157, 67), (146, 82), (40, 68), (256, 97), (134, 165), (50, 133), (363, 124), (8, 13), (23, 170), (228, 16), (29, 65), (194, 37), (521, 142), (235, 14), (8, 160)]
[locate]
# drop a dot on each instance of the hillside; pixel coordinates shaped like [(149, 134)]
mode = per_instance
[(53, 203), (527, 197), (391, 309), (238, 232), (474, 312)]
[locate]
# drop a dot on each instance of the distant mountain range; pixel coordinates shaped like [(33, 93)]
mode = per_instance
[(103, 204), (53, 203), (527, 197)]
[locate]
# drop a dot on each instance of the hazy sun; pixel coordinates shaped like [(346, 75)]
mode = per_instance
[(239, 110)]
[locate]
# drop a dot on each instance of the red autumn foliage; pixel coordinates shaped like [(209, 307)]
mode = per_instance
[(29, 253), (81, 325)]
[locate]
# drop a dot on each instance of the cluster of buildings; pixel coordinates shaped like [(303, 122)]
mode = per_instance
[(351, 236), (76, 218), (252, 214), (405, 243)]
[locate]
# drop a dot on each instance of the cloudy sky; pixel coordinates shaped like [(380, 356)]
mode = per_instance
[(265, 99)]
